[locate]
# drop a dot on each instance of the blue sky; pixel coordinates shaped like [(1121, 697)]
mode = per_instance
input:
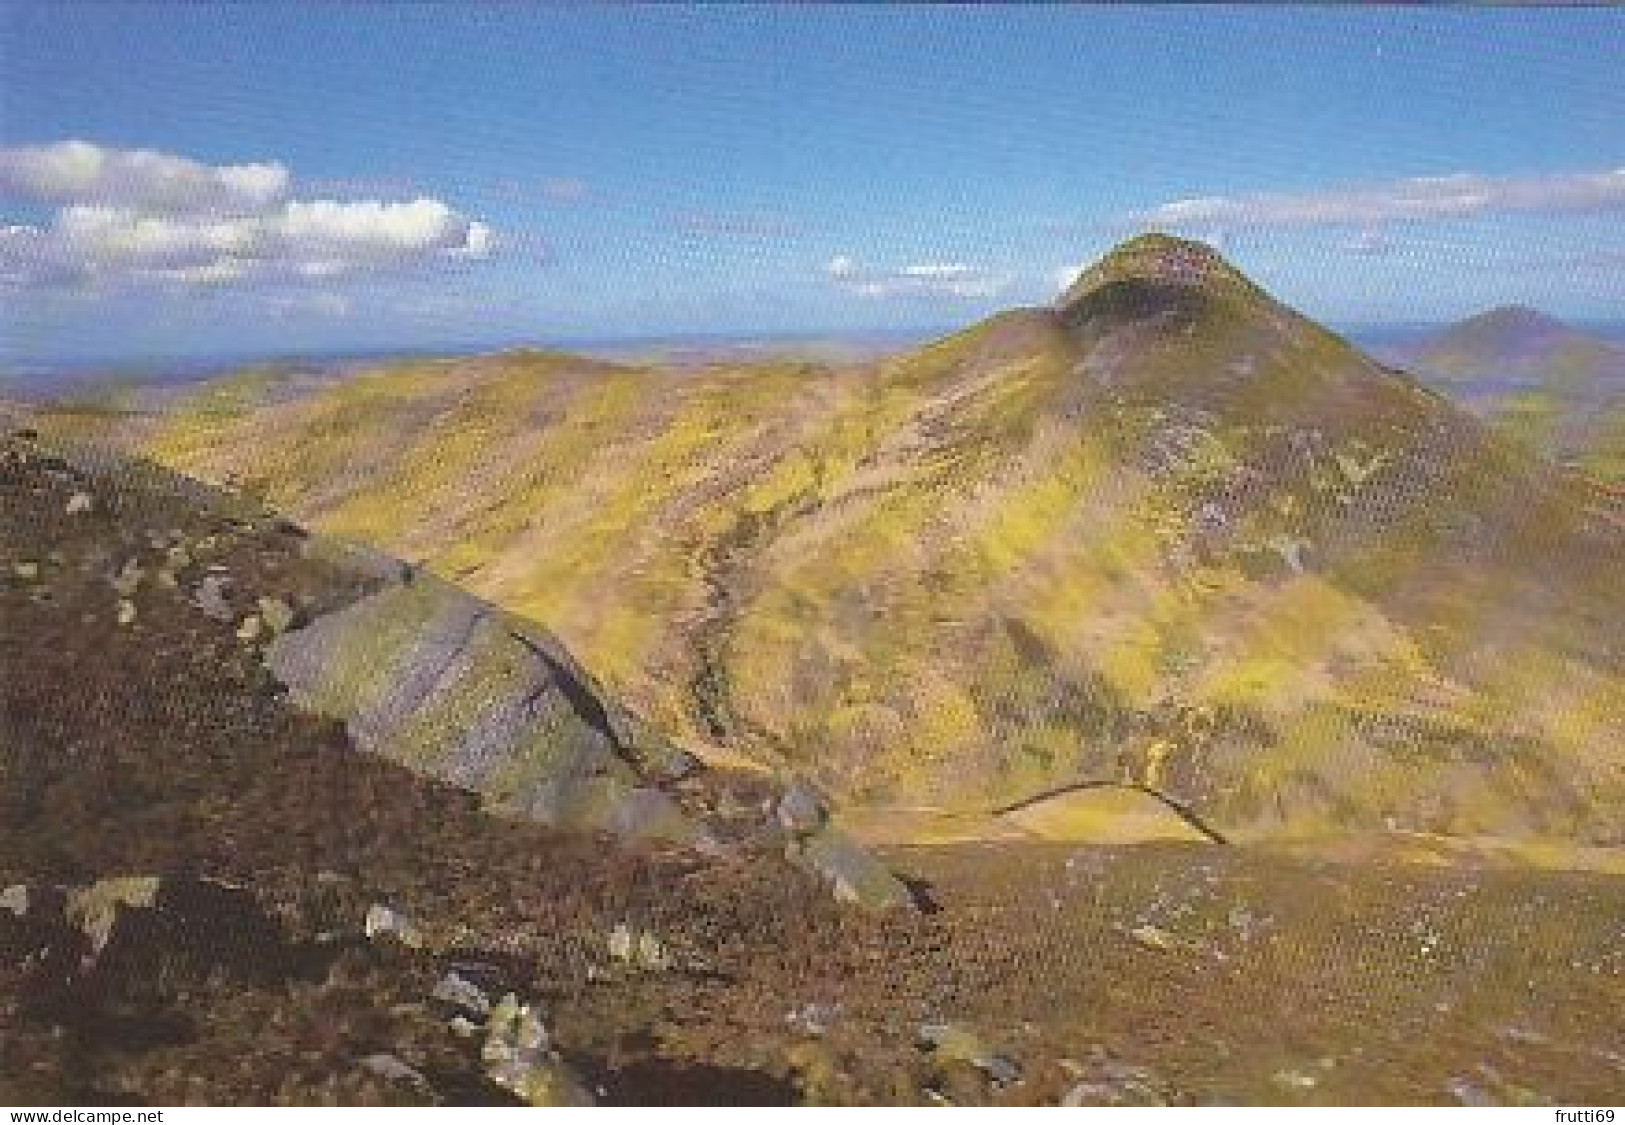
[(363, 176)]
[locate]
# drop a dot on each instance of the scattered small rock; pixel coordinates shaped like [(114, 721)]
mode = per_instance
[(1154, 937), (1000, 1068), (459, 992), (94, 910), (211, 597), (951, 1043), (801, 810), (15, 899), (382, 921), (639, 948), (277, 615), (519, 1057), (855, 876), (392, 1069), (79, 503), (1469, 1094), (1109, 1093), (128, 580), (126, 611), (1294, 1079), (812, 1019), (677, 764), (250, 628), (1105, 1081), (1290, 548)]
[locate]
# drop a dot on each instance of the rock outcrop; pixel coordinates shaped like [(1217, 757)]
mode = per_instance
[(423, 673), (416, 670)]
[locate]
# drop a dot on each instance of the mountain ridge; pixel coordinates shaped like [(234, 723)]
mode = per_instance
[(1175, 536)]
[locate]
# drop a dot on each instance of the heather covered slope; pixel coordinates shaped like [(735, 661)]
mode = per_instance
[(210, 896), (1167, 534), (416, 670)]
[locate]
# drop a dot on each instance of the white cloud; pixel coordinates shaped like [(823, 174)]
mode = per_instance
[(942, 272), (479, 242), (306, 305), (1064, 276), (370, 231), (77, 172), (1428, 198), (841, 266), (1369, 244), (145, 237), (926, 279)]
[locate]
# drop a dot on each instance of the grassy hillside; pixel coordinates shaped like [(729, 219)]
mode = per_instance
[(1167, 534)]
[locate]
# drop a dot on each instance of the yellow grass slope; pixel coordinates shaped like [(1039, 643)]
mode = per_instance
[(1166, 535)]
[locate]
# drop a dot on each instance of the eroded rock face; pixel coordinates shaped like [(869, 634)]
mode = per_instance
[(442, 682)]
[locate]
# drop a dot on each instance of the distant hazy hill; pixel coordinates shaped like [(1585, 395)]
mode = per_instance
[(1166, 534), (1554, 388), (1518, 342)]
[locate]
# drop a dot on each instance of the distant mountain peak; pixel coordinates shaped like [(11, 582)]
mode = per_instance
[(1513, 318), (1507, 333), (1518, 342)]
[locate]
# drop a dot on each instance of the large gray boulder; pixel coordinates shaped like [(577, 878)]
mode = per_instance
[(854, 874), (427, 675)]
